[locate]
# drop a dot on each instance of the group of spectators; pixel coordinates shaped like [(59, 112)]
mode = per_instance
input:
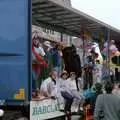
[(103, 99), (65, 87), (107, 105)]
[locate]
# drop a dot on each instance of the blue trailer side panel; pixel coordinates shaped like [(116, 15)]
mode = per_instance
[(14, 50)]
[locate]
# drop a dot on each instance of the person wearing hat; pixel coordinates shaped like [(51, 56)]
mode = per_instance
[(74, 92), (65, 92)]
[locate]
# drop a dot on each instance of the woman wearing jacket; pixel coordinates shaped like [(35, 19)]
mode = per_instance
[(107, 105), (37, 63)]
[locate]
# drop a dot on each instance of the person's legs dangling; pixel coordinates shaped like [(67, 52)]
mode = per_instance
[(33, 81), (68, 101), (80, 99)]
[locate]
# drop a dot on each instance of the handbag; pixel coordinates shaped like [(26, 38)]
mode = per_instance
[(101, 113)]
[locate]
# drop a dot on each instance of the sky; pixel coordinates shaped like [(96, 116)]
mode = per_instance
[(107, 11)]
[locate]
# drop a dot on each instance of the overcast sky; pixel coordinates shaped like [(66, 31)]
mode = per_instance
[(106, 10)]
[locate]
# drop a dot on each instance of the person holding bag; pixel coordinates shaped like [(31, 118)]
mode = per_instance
[(107, 105)]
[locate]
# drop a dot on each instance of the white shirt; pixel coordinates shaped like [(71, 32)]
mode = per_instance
[(53, 88), (49, 85), (64, 85), (80, 83), (113, 47), (72, 84), (44, 85)]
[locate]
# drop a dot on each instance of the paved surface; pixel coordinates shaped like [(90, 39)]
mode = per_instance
[(12, 115), (75, 117)]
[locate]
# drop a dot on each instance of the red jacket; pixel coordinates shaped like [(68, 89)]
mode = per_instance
[(42, 63)]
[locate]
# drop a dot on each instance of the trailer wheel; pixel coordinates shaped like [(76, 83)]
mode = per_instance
[(1, 113)]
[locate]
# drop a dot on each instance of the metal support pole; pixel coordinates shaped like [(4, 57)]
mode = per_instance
[(61, 37), (107, 39), (70, 40), (83, 38), (108, 51)]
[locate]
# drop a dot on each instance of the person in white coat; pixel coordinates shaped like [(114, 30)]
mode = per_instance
[(49, 86), (73, 87)]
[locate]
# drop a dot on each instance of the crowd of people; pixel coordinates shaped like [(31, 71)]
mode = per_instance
[(103, 100), (107, 104), (70, 83)]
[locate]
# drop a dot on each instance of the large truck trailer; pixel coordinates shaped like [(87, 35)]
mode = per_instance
[(16, 19)]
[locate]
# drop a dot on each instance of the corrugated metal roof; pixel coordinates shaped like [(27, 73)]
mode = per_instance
[(66, 19)]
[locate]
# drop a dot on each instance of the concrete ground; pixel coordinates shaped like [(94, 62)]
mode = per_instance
[(75, 117)]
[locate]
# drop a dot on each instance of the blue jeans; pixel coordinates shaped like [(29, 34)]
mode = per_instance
[(68, 100), (34, 84)]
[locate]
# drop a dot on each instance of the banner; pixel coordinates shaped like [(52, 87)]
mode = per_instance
[(44, 109), (46, 34)]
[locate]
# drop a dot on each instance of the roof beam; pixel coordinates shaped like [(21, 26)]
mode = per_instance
[(41, 6), (58, 20), (47, 8), (52, 10), (56, 28), (52, 17), (36, 2)]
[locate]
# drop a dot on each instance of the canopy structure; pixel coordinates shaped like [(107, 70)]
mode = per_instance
[(57, 16)]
